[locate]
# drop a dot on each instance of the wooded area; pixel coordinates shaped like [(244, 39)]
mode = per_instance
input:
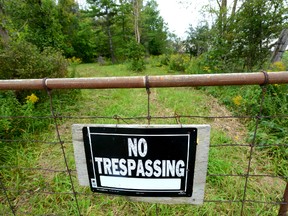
[(241, 38)]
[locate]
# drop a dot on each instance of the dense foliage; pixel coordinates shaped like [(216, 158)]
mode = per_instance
[(241, 38), (20, 60), (103, 29)]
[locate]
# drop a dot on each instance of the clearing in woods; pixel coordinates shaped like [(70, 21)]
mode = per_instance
[(132, 103)]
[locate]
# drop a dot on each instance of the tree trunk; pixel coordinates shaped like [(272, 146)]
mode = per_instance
[(234, 8), (137, 8), (281, 45), (224, 14), (224, 6), (111, 45), (113, 59), (3, 32)]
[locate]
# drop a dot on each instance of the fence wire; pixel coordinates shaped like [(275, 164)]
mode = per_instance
[(65, 177)]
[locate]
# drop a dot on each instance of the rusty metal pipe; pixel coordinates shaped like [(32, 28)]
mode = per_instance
[(226, 79)]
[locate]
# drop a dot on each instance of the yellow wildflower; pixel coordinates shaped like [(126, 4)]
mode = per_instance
[(74, 60), (32, 98), (237, 100), (206, 68), (278, 66)]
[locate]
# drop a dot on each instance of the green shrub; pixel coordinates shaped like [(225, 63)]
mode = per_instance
[(178, 62), (196, 66), (164, 60), (135, 53), (137, 65), (22, 60)]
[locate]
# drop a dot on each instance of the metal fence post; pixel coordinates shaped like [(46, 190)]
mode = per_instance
[(283, 211)]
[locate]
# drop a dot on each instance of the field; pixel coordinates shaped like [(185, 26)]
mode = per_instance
[(37, 183)]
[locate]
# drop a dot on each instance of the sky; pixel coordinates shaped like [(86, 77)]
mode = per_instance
[(178, 15)]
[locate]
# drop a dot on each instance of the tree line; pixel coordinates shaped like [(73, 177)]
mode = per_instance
[(106, 28), (241, 37)]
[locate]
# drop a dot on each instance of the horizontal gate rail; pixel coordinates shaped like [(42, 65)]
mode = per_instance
[(257, 78)]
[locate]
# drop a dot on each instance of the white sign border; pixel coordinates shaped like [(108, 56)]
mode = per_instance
[(142, 135), (201, 162)]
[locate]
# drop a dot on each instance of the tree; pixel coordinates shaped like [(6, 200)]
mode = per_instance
[(36, 21), (3, 32), (154, 30), (84, 41), (245, 37), (198, 39), (69, 17), (258, 23), (222, 18), (104, 11), (137, 6)]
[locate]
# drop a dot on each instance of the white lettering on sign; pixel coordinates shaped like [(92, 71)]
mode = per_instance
[(140, 168), (135, 147), (122, 166), (148, 168), (131, 165)]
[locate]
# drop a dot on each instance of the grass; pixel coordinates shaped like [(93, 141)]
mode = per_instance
[(30, 190)]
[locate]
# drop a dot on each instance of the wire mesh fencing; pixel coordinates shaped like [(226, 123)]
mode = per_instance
[(241, 180)]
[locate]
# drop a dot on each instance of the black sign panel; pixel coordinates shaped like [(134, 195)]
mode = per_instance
[(141, 161)]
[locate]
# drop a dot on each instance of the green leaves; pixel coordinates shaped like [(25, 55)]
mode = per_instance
[(243, 39), (24, 60)]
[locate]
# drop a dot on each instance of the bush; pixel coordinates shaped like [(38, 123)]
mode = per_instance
[(135, 53), (164, 60), (137, 65), (22, 60), (178, 62), (196, 66)]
